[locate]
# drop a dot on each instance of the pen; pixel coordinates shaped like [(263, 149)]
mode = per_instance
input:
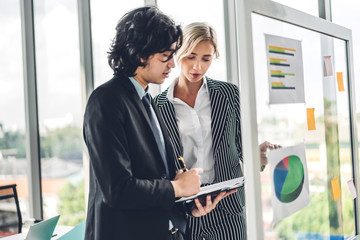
[(182, 163)]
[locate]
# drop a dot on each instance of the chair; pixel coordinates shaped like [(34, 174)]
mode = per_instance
[(10, 219)]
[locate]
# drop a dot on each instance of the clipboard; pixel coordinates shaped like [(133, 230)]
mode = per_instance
[(215, 188)]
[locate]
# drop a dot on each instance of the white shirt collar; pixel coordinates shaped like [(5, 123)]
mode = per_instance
[(170, 93)]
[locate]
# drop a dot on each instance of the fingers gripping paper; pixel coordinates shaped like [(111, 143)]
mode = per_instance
[(289, 179)]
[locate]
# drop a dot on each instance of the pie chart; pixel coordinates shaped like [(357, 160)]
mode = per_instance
[(289, 178)]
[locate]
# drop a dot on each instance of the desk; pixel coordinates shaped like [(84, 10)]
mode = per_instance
[(59, 230)]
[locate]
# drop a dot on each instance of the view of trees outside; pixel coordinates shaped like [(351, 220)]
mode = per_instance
[(13, 165), (61, 182), (72, 204), (59, 101), (60, 114)]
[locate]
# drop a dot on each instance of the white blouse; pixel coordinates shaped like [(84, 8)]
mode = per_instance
[(195, 131)]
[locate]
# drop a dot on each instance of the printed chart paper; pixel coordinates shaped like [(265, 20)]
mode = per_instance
[(289, 180), (285, 70)]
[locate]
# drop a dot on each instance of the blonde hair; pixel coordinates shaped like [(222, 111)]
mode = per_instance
[(193, 34)]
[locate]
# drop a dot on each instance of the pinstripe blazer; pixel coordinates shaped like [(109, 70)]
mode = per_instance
[(226, 135)]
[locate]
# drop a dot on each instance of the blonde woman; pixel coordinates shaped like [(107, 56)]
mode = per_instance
[(202, 116)]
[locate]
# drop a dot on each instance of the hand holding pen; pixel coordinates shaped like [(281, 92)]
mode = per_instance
[(186, 182), (182, 164)]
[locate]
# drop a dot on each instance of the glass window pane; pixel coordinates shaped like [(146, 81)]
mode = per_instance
[(60, 109), (205, 12), (308, 6), (13, 163), (104, 18), (346, 13), (342, 98), (327, 148)]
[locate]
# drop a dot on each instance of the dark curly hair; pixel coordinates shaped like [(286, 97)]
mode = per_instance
[(139, 34)]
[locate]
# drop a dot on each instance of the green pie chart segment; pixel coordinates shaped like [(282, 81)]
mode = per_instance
[(288, 178)]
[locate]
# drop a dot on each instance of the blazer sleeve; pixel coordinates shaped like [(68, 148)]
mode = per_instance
[(111, 166), (238, 123)]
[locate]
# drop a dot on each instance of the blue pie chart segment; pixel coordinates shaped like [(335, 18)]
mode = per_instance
[(288, 178)]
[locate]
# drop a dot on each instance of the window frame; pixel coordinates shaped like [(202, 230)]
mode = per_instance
[(282, 13)]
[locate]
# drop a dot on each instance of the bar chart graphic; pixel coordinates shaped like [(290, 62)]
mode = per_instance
[(282, 50), (285, 70), (279, 62), (280, 74), (279, 84)]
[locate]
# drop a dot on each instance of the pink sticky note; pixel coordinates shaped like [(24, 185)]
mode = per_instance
[(352, 188), (328, 66)]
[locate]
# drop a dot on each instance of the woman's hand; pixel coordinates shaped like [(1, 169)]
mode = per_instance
[(263, 149), (198, 210)]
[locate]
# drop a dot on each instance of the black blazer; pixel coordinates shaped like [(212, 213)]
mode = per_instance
[(130, 197)]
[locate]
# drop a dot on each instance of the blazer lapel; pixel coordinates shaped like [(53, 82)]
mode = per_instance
[(173, 128), (170, 158), (167, 110), (138, 103), (219, 113)]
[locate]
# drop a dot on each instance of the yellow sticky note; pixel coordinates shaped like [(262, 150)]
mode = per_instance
[(335, 188), (340, 81), (311, 118)]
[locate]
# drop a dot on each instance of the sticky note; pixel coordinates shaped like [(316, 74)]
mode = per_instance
[(352, 188), (328, 66), (311, 118), (335, 188), (340, 81)]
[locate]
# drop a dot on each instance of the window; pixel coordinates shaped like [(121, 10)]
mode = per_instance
[(104, 18), (328, 149), (13, 163), (60, 109), (346, 13)]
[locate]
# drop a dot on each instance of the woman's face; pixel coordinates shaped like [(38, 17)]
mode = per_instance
[(195, 65)]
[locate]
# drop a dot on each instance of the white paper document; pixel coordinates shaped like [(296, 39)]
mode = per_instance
[(216, 188), (289, 180), (285, 70)]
